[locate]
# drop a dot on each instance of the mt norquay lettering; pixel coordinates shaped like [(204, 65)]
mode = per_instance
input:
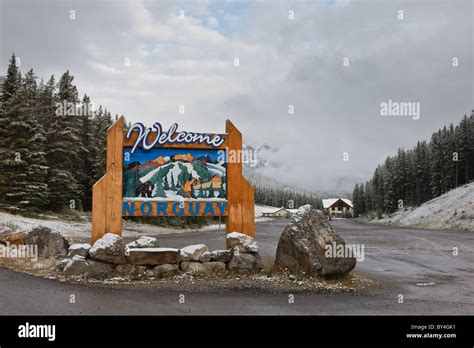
[(163, 137)]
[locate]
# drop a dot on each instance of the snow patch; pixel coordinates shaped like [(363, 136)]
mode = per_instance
[(453, 210)]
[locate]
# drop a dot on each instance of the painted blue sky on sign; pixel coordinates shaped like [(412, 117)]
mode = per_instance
[(142, 156)]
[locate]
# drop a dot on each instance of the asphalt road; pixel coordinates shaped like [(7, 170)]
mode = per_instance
[(417, 264)]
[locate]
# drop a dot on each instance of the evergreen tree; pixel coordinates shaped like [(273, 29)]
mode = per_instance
[(87, 155), (221, 193), (63, 148), (159, 192), (101, 123), (10, 87), (166, 185), (23, 167), (422, 173)]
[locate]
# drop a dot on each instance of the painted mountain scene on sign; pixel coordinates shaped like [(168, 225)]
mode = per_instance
[(174, 174)]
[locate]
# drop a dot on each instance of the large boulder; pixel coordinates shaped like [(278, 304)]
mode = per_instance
[(144, 242), (110, 248), (192, 252), (153, 256), (244, 262), (303, 244), (80, 266), (50, 243), (79, 249), (244, 243)]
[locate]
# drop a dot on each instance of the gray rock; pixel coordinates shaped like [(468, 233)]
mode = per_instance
[(245, 262), (79, 249), (109, 248), (206, 257), (192, 252), (79, 266), (50, 243), (166, 270), (244, 243), (144, 242), (200, 268), (62, 263), (153, 256), (131, 270), (221, 255), (76, 266), (100, 269), (302, 246)]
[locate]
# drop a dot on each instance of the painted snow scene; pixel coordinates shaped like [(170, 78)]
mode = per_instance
[(174, 174)]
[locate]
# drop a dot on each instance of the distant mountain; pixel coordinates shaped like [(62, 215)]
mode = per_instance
[(185, 158), (159, 161), (251, 172), (259, 180), (206, 158)]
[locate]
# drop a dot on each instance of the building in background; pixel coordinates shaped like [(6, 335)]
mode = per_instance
[(277, 212), (337, 207)]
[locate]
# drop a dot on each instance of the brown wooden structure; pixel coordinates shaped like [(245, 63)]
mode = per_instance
[(107, 197)]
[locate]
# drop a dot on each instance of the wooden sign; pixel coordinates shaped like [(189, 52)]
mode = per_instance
[(164, 172)]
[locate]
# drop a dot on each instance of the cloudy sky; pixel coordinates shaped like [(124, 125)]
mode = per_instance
[(334, 61)]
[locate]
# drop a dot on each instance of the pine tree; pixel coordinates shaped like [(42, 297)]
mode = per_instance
[(159, 192), (424, 172), (12, 80), (101, 123), (10, 88), (63, 148), (221, 193), (24, 167), (166, 185), (87, 155), (356, 201), (390, 199)]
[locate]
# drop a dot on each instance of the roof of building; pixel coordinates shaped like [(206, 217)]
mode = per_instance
[(272, 211), (330, 201)]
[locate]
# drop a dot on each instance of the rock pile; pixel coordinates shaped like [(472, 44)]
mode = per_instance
[(109, 257)]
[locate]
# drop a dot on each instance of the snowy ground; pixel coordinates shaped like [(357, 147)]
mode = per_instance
[(81, 230), (452, 211)]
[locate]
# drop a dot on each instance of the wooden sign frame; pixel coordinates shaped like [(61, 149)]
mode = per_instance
[(107, 193)]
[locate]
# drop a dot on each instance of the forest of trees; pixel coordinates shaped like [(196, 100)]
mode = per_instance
[(49, 160), (415, 176), (281, 197)]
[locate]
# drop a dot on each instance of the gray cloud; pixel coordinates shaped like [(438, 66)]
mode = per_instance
[(190, 61)]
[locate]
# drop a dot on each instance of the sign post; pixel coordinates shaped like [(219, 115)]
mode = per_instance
[(152, 172)]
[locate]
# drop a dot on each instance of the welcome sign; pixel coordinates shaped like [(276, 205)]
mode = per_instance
[(154, 171)]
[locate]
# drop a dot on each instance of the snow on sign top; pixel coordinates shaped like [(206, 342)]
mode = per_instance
[(330, 201)]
